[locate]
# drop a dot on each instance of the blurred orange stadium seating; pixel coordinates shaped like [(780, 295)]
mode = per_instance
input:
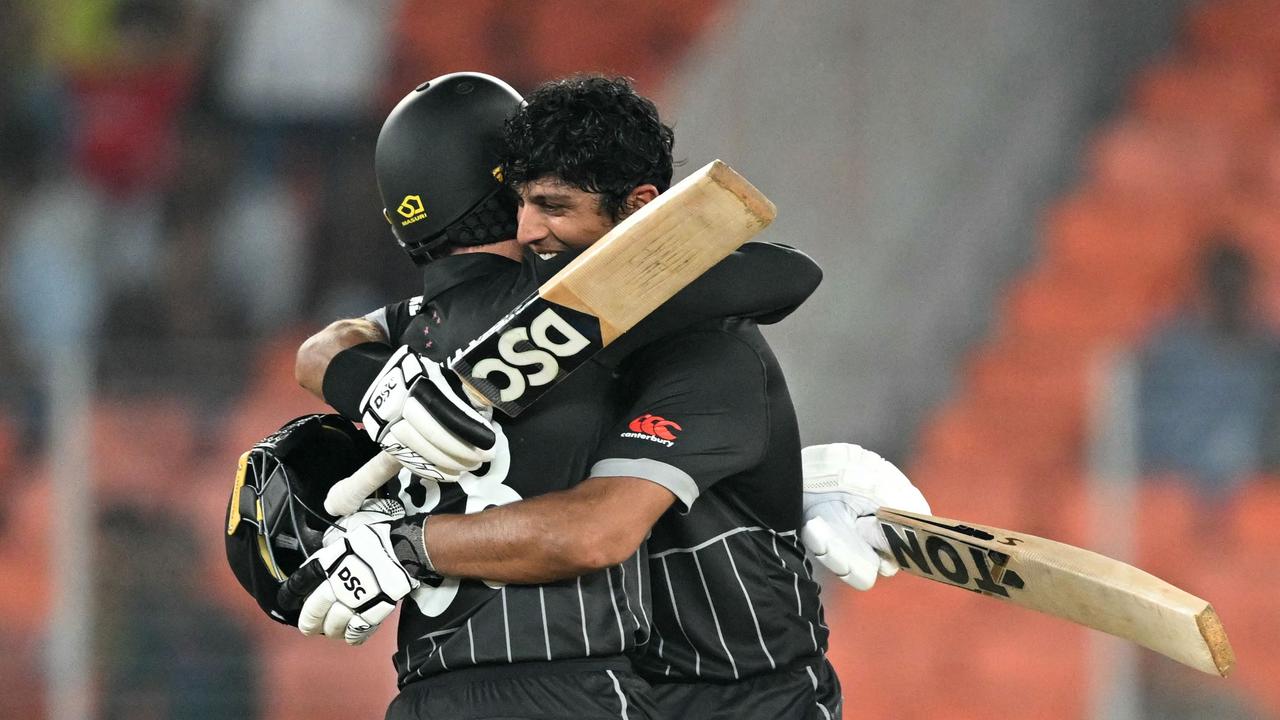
[(550, 39), (10, 450), (1207, 92), (1071, 306), (272, 398), (443, 38), (1023, 435), (1093, 232), (1169, 515), (25, 555), (315, 677), (140, 448), (1253, 516), (1151, 161), (1259, 167), (902, 638), (1243, 30), (1195, 152), (609, 41)]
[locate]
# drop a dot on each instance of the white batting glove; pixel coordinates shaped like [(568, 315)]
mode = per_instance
[(352, 583), (418, 413), (844, 485), (371, 512)]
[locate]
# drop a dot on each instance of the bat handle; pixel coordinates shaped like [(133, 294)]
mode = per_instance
[(347, 494), (477, 398)]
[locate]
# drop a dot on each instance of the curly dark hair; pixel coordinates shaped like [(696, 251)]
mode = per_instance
[(592, 132)]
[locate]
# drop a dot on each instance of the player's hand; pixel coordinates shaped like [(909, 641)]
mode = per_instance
[(844, 485), (350, 585), (420, 415)]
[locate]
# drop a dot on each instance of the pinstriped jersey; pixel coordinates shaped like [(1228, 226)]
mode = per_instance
[(710, 418), (460, 623)]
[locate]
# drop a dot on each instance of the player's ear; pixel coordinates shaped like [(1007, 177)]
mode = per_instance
[(640, 196)]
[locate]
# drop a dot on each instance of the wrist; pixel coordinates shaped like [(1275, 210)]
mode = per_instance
[(409, 543), (350, 373)]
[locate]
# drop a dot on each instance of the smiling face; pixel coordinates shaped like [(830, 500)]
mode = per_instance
[(583, 153), (555, 216)]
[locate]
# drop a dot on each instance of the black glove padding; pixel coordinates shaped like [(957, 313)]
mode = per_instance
[(419, 413), (452, 409)]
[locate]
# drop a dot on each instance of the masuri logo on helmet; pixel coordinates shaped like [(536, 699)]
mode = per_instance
[(411, 209)]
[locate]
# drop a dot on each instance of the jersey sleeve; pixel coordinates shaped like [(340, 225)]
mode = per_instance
[(762, 281), (394, 319), (699, 414)]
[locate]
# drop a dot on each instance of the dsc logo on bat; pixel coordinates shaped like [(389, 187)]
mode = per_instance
[(529, 357)]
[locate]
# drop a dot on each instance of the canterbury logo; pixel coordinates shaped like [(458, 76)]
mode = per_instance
[(653, 428), (411, 209)]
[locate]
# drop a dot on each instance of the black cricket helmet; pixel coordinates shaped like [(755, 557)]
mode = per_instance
[(276, 515), (437, 163)]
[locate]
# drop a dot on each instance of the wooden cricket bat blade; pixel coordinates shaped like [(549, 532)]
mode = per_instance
[(657, 250), (1061, 580), (623, 277)]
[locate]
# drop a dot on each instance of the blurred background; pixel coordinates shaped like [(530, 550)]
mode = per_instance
[(1051, 237)]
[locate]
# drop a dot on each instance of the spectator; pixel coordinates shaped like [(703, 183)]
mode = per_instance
[(92, 229), (1210, 380), (303, 88), (93, 135)]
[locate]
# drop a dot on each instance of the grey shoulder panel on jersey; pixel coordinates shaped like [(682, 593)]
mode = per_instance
[(668, 476), (401, 313), (379, 317)]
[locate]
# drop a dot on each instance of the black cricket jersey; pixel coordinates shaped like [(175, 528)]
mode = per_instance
[(710, 418), (462, 623)]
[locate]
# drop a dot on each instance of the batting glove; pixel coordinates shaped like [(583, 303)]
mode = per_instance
[(419, 414), (844, 485), (351, 584)]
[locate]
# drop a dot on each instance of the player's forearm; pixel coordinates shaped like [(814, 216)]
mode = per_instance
[(532, 542), (317, 351), (560, 535)]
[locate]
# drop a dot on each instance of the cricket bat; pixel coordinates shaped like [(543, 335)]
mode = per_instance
[(1061, 580), (622, 278)]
